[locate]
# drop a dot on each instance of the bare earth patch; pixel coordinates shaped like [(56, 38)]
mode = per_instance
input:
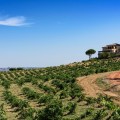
[(92, 89), (114, 78)]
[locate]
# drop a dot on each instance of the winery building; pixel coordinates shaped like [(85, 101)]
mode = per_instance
[(112, 48)]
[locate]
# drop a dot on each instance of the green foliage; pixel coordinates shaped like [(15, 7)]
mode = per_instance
[(106, 55), (30, 93), (75, 91), (100, 114), (45, 99), (115, 115), (27, 114), (47, 89), (20, 82), (101, 70), (63, 94), (90, 52), (59, 83), (102, 83), (90, 100), (2, 113), (81, 97), (53, 111), (14, 69), (28, 79), (34, 81), (71, 106), (14, 101), (106, 101), (87, 113), (6, 84)]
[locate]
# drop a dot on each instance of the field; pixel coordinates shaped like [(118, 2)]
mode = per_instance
[(58, 93)]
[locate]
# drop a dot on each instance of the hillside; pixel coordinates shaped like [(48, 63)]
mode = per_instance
[(53, 93), (102, 83)]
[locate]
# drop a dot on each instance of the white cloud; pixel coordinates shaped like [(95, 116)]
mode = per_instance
[(14, 21)]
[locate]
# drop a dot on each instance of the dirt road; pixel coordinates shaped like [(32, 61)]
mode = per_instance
[(92, 89)]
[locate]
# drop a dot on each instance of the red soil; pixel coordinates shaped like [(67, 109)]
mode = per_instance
[(114, 78), (92, 89)]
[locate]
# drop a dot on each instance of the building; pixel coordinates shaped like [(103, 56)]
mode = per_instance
[(112, 48)]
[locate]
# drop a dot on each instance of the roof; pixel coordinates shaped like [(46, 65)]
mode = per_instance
[(116, 44)]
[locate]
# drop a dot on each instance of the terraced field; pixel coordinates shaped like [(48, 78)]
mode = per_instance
[(52, 93)]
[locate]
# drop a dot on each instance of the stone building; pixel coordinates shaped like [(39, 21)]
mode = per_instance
[(112, 48)]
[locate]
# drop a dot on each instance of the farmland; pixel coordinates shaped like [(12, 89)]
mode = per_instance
[(53, 93)]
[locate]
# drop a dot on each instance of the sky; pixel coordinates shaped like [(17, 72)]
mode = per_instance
[(41, 33)]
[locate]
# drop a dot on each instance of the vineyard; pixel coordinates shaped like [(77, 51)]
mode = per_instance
[(52, 93)]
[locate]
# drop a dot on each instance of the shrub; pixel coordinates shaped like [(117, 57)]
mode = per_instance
[(27, 114), (53, 111), (2, 113), (63, 94), (100, 114), (6, 84), (71, 106), (20, 82), (45, 99)]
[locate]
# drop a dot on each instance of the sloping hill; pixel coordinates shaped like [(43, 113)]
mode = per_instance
[(52, 93)]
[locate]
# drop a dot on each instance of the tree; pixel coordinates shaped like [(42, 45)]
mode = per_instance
[(90, 52), (106, 55)]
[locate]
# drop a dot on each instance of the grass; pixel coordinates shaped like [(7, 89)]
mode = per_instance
[(102, 83)]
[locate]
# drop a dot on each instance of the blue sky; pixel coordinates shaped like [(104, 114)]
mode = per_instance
[(39, 33)]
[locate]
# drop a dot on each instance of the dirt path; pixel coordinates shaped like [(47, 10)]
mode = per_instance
[(91, 89)]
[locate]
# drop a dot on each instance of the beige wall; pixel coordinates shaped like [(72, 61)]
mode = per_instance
[(112, 48)]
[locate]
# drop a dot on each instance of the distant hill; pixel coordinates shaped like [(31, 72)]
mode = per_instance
[(4, 69)]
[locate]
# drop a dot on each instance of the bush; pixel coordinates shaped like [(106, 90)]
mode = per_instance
[(27, 114), (2, 113), (71, 106), (30, 93), (90, 100), (115, 115), (100, 114), (87, 113), (53, 111), (6, 84), (63, 94), (45, 99), (20, 82)]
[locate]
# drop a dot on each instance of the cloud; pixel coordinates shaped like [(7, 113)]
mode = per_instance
[(14, 21)]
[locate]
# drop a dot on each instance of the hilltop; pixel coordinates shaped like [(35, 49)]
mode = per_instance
[(57, 93)]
